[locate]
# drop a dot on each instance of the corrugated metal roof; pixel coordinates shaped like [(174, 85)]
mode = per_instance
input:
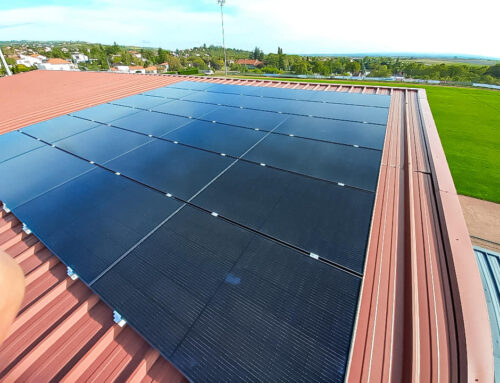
[(420, 313), (489, 267)]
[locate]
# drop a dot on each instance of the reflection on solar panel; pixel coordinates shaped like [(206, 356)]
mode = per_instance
[(228, 224)]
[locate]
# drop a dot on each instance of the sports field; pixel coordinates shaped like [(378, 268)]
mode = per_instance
[(468, 121)]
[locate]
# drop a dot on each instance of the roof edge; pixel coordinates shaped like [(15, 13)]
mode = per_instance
[(468, 289)]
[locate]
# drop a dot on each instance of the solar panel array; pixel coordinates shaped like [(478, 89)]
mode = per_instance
[(227, 224)]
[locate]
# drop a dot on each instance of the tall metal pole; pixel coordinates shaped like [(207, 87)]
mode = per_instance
[(221, 3), (7, 69)]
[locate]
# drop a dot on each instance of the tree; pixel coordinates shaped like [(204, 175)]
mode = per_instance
[(381, 71), (300, 67), (113, 49), (173, 63), (353, 67), (162, 56), (257, 54), (197, 62), (494, 70)]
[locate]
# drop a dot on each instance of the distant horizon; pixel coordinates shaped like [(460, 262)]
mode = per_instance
[(320, 26), (344, 54)]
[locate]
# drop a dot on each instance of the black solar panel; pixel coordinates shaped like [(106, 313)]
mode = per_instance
[(185, 108), (171, 168), (14, 144), (232, 237), (351, 166), (168, 92), (59, 128), (156, 124), (253, 119), (348, 112), (225, 304), (382, 101), (99, 217), (317, 216), (217, 137), (141, 101), (344, 132), (36, 172), (102, 144), (105, 112)]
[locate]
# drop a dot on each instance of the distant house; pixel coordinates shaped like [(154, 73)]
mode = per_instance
[(65, 50), (137, 69), (57, 64), (250, 63), (121, 68), (136, 54), (79, 57), (164, 66), (30, 60), (151, 69), (47, 49)]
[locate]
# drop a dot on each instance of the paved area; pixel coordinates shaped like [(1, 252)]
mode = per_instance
[(483, 222)]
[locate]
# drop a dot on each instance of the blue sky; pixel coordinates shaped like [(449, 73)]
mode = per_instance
[(315, 26)]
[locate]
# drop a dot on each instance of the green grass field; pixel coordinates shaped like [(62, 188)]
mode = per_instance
[(468, 122)]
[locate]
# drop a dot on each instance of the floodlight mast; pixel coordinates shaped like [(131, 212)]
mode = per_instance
[(221, 3)]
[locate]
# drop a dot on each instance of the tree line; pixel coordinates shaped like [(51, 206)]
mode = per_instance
[(103, 57)]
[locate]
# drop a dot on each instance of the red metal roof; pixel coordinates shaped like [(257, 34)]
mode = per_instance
[(422, 314), (249, 62)]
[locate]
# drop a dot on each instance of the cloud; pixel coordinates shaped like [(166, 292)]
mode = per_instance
[(14, 25), (318, 26)]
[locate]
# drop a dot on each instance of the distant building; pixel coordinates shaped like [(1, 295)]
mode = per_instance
[(151, 69), (57, 64), (137, 69), (30, 60), (164, 66), (250, 63), (65, 50), (136, 54), (121, 68), (79, 57), (47, 49)]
